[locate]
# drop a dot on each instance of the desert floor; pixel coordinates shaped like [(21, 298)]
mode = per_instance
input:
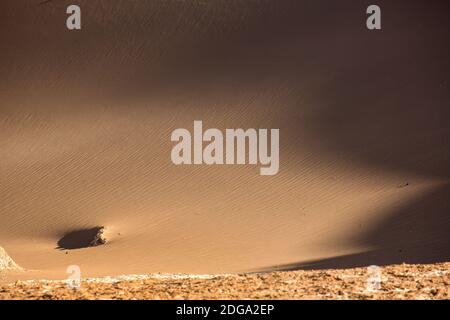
[(397, 282)]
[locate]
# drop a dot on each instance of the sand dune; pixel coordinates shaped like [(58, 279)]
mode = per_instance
[(86, 118)]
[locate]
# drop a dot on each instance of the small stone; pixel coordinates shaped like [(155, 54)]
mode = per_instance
[(83, 238)]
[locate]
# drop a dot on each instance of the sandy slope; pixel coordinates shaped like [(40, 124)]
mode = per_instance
[(86, 117)]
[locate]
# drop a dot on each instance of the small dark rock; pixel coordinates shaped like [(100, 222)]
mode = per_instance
[(84, 238)]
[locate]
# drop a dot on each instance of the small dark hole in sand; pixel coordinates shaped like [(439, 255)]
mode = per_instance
[(84, 238)]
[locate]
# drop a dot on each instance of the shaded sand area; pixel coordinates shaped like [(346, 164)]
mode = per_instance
[(399, 282), (86, 118)]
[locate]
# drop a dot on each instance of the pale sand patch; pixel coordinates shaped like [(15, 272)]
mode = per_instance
[(6, 262)]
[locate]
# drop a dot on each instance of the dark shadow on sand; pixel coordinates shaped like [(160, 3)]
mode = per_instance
[(387, 107), (79, 239), (418, 232)]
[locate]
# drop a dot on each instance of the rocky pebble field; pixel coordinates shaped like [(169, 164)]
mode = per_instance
[(391, 282)]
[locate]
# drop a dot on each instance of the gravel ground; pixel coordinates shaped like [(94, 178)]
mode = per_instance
[(396, 282)]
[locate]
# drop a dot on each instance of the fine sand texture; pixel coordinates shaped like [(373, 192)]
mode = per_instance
[(86, 118)]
